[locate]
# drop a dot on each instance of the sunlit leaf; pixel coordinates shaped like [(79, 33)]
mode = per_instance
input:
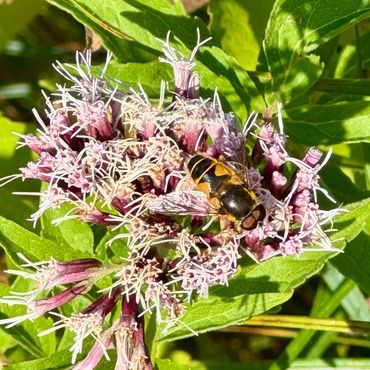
[(118, 22), (294, 30), (15, 239), (240, 26), (69, 233), (329, 124)]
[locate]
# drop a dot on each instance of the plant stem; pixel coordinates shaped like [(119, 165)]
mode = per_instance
[(295, 347), (311, 323)]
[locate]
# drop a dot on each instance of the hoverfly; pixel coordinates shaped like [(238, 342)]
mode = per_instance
[(226, 191)]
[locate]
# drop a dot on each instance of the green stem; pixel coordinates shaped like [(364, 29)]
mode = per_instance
[(311, 323), (296, 346), (287, 333)]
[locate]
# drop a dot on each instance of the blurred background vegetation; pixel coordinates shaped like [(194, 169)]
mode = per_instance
[(33, 35)]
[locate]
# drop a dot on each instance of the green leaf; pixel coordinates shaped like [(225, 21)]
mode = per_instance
[(14, 239), (166, 364), (320, 344), (353, 54), (329, 124), (69, 233), (296, 346), (237, 90), (59, 360), (293, 72), (354, 263), (25, 333), (351, 223), (13, 206), (148, 75), (11, 159), (218, 311), (254, 290), (295, 28), (144, 22), (6, 342), (17, 208), (340, 185), (238, 28), (355, 303), (259, 287), (15, 15), (223, 73), (123, 48), (344, 86), (22, 335)]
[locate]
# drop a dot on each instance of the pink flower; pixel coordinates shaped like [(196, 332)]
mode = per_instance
[(36, 308), (122, 163)]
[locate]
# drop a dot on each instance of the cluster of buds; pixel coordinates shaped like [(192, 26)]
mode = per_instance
[(122, 163)]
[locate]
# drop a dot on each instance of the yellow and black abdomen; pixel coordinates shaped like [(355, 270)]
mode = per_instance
[(207, 173), (226, 191)]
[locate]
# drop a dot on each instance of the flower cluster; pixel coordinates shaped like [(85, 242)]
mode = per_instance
[(122, 163)]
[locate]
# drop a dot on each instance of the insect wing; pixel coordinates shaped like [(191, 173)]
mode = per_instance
[(183, 202)]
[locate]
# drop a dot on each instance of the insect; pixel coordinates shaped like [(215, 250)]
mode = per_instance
[(226, 191)]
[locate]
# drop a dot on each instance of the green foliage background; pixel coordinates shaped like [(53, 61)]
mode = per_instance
[(314, 57)]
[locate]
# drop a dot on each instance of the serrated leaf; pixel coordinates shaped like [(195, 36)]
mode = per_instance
[(14, 239), (238, 28), (259, 287), (329, 124), (296, 28), (255, 289)]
